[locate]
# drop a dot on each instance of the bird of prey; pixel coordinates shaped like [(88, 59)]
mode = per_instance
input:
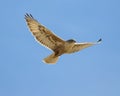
[(47, 38)]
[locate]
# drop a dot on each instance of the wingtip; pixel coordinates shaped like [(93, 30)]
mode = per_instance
[(28, 15), (99, 40)]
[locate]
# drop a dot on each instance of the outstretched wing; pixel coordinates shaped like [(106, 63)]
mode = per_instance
[(42, 34), (80, 46)]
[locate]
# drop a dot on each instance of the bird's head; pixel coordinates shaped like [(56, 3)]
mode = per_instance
[(71, 41)]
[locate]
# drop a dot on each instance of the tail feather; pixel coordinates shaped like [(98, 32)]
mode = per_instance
[(51, 59)]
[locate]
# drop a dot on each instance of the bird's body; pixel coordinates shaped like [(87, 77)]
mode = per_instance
[(69, 45), (59, 46)]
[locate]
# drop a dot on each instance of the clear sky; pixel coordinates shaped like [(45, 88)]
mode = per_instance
[(94, 71)]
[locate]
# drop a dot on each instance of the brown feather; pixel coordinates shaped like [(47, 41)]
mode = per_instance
[(42, 34), (79, 46)]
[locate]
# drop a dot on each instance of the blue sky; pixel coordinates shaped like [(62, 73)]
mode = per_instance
[(94, 71)]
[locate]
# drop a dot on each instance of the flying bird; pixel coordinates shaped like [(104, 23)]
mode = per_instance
[(48, 39)]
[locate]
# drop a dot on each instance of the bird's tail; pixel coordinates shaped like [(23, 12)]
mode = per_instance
[(51, 59)]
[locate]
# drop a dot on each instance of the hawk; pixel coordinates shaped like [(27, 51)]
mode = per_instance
[(47, 38)]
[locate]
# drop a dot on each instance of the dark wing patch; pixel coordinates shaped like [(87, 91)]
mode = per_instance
[(42, 34)]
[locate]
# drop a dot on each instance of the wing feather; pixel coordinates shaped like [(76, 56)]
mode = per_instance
[(42, 34), (79, 46)]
